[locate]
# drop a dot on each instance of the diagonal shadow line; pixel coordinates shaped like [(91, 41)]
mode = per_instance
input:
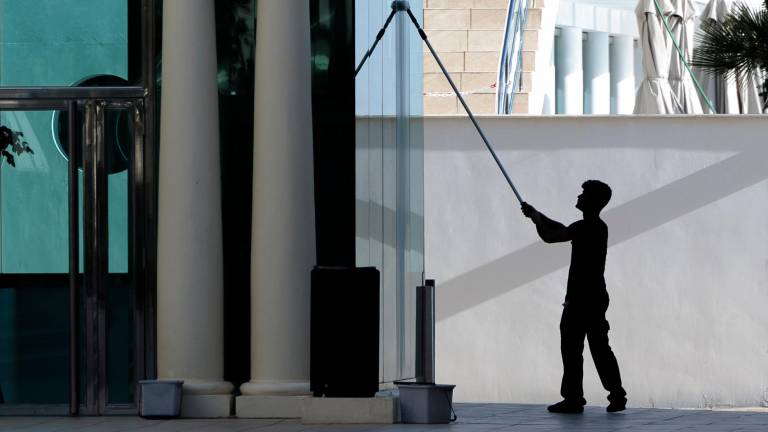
[(626, 221)]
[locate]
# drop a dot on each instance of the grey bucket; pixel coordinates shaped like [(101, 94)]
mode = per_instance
[(160, 398), (426, 403)]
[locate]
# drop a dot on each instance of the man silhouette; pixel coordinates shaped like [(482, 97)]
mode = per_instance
[(586, 299)]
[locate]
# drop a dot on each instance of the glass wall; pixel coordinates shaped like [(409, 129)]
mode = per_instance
[(62, 42), (34, 230), (58, 43), (389, 175)]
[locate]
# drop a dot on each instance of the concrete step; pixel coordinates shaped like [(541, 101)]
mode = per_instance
[(325, 410)]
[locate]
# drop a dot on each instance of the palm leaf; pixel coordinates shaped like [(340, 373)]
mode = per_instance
[(737, 47)]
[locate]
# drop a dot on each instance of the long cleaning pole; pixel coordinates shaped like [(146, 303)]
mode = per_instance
[(378, 38), (463, 103)]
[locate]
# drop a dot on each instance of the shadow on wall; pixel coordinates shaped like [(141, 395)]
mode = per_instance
[(658, 207)]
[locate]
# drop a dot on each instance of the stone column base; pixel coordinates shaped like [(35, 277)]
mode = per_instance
[(264, 406), (206, 406)]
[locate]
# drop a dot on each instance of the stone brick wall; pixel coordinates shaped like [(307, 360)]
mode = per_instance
[(467, 35)]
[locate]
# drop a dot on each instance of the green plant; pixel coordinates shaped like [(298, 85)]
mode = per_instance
[(15, 141), (736, 47)]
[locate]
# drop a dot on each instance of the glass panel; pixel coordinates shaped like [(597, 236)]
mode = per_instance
[(34, 352), (389, 179), (34, 231), (120, 288), (34, 292), (62, 42)]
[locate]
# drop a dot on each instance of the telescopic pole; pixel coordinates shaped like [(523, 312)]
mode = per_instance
[(461, 99), (378, 38), (399, 6)]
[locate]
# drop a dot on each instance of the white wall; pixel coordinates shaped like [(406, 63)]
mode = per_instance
[(687, 267)]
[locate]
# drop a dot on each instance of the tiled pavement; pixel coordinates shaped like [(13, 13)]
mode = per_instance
[(472, 418)]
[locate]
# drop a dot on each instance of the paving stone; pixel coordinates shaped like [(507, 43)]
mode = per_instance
[(472, 418)]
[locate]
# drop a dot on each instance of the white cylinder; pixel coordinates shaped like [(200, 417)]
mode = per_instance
[(190, 327), (568, 72), (622, 74), (637, 57), (283, 229), (597, 80)]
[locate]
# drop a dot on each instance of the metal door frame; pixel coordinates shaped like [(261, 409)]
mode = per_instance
[(95, 101)]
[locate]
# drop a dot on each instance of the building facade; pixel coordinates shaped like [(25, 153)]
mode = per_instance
[(569, 57), (193, 161)]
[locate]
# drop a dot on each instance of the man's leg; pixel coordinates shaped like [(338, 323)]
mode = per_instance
[(572, 332), (605, 361)]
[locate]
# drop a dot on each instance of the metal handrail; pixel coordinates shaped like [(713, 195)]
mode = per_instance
[(59, 93), (511, 59)]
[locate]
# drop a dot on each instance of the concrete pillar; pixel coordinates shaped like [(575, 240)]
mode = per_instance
[(622, 74), (283, 230), (597, 80), (190, 328), (568, 72)]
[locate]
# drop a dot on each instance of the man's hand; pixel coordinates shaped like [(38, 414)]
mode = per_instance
[(528, 210), (550, 231)]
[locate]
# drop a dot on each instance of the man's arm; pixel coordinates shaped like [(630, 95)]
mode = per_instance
[(549, 230)]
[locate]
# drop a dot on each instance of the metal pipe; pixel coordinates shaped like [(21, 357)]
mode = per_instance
[(127, 92), (74, 264)]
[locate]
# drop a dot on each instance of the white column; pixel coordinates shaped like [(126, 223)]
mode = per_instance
[(190, 327), (283, 230), (622, 74), (637, 56), (568, 72), (597, 81)]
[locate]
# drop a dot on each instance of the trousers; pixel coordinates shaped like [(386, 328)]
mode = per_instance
[(578, 322)]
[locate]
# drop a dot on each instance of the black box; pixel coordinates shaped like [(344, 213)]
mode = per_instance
[(344, 335)]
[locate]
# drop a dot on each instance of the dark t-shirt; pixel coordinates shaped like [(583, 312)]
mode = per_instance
[(589, 244)]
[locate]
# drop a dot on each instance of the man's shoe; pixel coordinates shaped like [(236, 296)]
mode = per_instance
[(616, 406), (566, 407)]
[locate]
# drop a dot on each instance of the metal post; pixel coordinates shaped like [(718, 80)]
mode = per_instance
[(425, 332), (429, 330), (74, 265)]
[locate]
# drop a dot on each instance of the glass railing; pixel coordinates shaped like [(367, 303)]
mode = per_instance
[(511, 60)]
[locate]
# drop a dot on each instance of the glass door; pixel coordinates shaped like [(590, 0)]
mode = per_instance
[(72, 308), (114, 307)]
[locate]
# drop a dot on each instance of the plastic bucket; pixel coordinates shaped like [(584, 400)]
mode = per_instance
[(160, 398), (426, 403)]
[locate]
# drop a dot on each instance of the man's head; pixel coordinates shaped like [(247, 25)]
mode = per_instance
[(595, 196)]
